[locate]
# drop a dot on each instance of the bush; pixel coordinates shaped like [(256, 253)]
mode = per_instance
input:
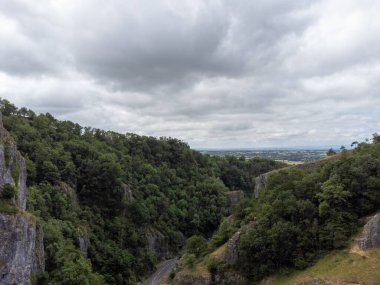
[(9, 192), (7, 208), (196, 245)]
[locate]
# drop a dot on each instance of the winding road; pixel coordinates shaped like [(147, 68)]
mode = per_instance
[(162, 272)]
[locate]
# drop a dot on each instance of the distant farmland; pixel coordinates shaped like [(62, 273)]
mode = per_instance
[(291, 156)]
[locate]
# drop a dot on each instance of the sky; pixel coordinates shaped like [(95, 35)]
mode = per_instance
[(215, 74)]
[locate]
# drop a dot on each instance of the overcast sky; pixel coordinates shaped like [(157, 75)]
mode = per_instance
[(212, 73)]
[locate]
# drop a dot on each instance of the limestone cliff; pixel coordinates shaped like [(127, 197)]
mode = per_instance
[(21, 239), (231, 254), (12, 169), (370, 237), (162, 246), (260, 183), (21, 249)]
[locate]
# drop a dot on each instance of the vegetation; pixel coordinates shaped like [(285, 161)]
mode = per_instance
[(115, 188), (7, 207), (302, 214), (337, 266), (9, 192), (330, 152)]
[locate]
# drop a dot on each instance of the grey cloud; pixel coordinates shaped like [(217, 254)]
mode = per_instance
[(213, 73)]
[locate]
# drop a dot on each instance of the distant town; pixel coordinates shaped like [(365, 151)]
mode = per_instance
[(290, 156)]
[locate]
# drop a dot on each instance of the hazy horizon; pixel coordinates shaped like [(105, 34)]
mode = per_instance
[(215, 74)]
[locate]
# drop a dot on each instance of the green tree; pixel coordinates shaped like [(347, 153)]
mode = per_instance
[(196, 245)]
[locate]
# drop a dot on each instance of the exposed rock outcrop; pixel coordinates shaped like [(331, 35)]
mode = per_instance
[(262, 179), (232, 250), (234, 197), (371, 234), (260, 183), (162, 246), (21, 249), (21, 239), (128, 194), (13, 170), (192, 279), (158, 244), (70, 194), (84, 242)]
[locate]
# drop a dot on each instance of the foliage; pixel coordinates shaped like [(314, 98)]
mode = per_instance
[(116, 188), (9, 192), (304, 213), (7, 207), (196, 245), (330, 152)]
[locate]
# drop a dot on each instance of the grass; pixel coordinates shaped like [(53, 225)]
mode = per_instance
[(219, 252), (16, 173), (338, 266), (7, 207), (6, 155)]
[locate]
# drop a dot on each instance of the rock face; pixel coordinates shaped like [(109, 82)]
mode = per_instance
[(371, 234), (21, 249), (158, 244), (84, 242), (207, 279), (260, 183), (21, 239), (13, 171), (163, 247), (192, 279), (232, 251), (234, 197)]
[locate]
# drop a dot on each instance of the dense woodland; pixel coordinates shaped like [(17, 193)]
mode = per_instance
[(115, 189), (303, 214)]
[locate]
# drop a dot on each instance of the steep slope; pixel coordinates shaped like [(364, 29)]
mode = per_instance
[(358, 264), (299, 214), (113, 205), (21, 239)]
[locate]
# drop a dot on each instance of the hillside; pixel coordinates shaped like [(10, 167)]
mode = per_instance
[(113, 205), (301, 221)]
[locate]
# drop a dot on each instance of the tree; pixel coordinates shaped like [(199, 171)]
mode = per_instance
[(330, 152), (196, 245)]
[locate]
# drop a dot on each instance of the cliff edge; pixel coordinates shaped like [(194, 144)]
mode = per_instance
[(21, 238)]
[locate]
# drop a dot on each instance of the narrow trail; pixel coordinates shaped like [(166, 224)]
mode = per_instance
[(162, 272)]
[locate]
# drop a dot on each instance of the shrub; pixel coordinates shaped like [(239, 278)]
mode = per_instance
[(196, 245), (9, 191)]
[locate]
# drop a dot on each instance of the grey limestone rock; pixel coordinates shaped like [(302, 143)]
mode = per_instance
[(21, 249), (13, 171), (232, 251), (21, 239), (260, 183), (371, 234), (84, 242)]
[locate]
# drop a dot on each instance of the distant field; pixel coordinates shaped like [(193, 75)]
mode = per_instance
[(289, 156)]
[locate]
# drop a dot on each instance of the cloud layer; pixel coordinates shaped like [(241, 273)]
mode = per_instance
[(212, 73)]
